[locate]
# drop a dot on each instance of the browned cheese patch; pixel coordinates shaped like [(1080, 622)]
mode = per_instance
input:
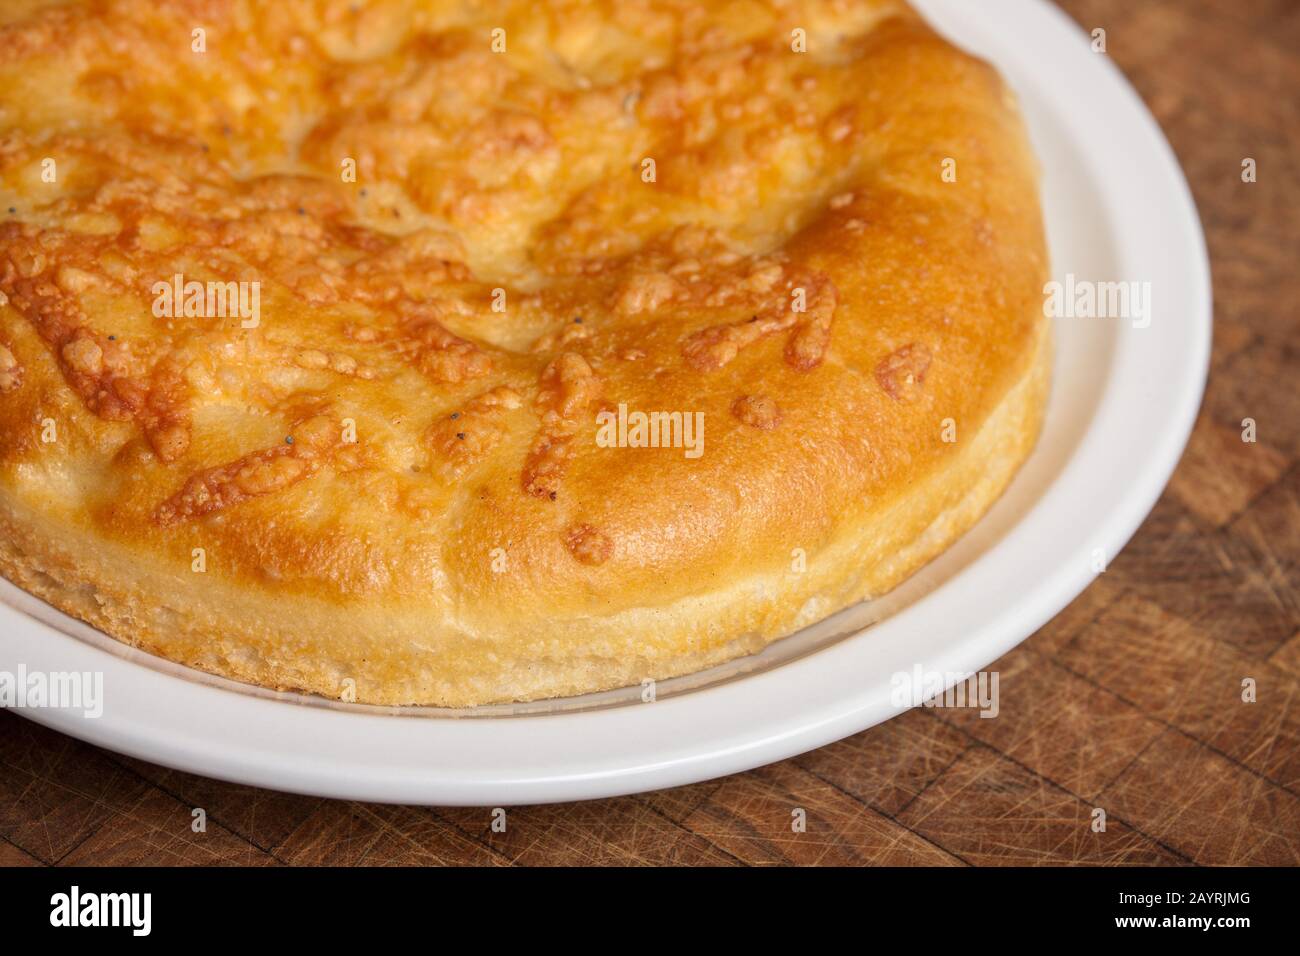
[(901, 373)]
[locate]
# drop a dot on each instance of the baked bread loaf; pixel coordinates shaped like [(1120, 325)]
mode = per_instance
[(453, 353)]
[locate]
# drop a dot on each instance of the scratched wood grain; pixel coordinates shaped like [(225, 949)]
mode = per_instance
[(1129, 700)]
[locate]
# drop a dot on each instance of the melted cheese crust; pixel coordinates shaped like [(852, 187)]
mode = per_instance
[(472, 228)]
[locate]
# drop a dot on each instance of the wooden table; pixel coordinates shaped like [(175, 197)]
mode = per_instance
[(1130, 700)]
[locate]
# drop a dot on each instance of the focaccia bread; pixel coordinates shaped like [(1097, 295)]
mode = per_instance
[(454, 353)]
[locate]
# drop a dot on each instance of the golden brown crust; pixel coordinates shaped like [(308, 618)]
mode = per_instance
[(395, 475)]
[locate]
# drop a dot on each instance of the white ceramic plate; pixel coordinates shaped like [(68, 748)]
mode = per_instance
[(1123, 403)]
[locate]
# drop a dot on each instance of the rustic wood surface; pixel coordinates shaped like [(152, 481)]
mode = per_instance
[(1129, 700)]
